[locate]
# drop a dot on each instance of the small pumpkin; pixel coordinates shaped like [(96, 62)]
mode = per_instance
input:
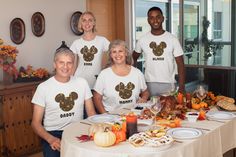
[(105, 138), (120, 135), (98, 127)]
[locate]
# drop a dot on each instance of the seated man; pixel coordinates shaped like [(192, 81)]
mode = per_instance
[(60, 101)]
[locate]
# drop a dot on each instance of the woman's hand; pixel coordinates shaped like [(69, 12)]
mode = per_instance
[(141, 100)]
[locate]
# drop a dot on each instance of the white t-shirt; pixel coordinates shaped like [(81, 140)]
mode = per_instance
[(63, 102), (90, 57), (119, 91), (159, 54)]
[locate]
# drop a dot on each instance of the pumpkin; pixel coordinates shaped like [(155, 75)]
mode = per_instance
[(98, 127), (105, 138), (120, 136)]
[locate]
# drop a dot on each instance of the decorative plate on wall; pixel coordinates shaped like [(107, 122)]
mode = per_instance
[(17, 30), (38, 24), (74, 23)]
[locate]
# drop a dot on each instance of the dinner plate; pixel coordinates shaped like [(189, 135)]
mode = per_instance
[(184, 133), (102, 118), (219, 115)]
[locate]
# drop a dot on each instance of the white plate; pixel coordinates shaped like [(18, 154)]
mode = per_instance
[(102, 118), (184, 133), (220, 115)]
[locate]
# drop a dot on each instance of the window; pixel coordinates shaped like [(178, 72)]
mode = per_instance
[(217, 29)]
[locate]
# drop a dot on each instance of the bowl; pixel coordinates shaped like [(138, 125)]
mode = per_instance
[(144, 124), (192, 116)]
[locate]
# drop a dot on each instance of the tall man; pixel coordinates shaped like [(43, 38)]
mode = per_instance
[(161, 49)]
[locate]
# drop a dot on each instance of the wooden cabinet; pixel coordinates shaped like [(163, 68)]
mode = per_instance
[(16, 135), (110, 17)]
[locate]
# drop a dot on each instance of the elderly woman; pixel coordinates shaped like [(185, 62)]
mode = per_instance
[(120, 85)]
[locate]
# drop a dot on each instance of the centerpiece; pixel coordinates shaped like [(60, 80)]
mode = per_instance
[(8, 55)]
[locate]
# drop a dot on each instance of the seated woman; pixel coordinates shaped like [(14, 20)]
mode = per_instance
[(120, 85)]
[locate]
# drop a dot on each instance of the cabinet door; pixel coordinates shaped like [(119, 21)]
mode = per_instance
[(19, 138)]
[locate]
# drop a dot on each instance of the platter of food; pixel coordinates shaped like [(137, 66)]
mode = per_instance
[(184, 133), (152, 140), (102, 118), (226, 105), (219, 115)]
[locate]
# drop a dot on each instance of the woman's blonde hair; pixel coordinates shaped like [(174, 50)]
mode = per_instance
[(81, 18), (115, 43)]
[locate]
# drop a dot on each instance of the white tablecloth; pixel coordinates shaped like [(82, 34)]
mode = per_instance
[(213, 143)]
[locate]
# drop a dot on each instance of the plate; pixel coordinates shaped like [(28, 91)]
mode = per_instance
[(74, 20), (102, 118), (219, 115), (17, 30), (184, 133), (38, 24)]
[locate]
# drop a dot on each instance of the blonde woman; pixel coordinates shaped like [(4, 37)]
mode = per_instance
[(120, 85), (89, 49)]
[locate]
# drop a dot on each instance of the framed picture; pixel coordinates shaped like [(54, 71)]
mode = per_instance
[(17, 30), (38, 24), (74, 23)]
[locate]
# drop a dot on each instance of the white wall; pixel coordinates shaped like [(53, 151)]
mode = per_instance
[(38, 51)]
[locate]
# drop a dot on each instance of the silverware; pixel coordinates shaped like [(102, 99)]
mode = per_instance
[(85, 123), (197, 128), (213, 120), (117, 114), (126, 108), (178, 141)]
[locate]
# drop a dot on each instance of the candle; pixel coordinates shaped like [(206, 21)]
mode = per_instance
[(131, 125)]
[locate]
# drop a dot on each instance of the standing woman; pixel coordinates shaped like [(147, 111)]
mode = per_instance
[(89, 49), (120, 85)]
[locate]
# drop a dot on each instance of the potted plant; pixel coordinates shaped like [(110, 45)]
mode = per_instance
[(210, 46)]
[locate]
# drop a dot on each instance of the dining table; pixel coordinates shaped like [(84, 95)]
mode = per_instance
[(218, 137)]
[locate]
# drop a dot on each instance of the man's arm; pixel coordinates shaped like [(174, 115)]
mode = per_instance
[(89, 107), (38, 128), (181, 73), (97, 99), (135, 56)]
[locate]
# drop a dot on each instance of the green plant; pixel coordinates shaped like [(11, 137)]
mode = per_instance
[(210, 46)]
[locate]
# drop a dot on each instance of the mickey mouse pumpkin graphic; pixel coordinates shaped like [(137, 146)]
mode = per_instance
[(157, 50), (88, 54), (66, 103), (125, 92)]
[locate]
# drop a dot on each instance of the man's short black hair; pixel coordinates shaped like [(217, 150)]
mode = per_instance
[(154, 8)]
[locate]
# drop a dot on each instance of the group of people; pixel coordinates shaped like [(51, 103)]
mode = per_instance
[(86, 80)]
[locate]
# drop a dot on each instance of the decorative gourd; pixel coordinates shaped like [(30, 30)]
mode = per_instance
[(120, 136), (120, 131), (105, 138), (98, 127)]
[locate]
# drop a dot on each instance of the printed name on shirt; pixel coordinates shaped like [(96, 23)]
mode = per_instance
[(158, 59), (67, 114), (125, 101), (88, 64)]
